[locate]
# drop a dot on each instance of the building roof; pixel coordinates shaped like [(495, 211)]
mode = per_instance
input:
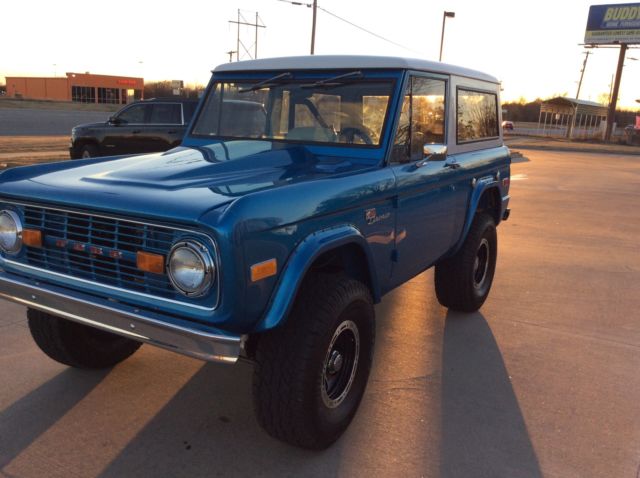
[(339, 62), (563, 100)]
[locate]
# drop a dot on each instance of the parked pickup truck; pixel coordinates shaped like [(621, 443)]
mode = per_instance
[(305, 189), (146, 126)]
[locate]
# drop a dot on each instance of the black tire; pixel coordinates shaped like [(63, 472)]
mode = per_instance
[(89, 151), (464, 280), (306, 393), (78, 345)]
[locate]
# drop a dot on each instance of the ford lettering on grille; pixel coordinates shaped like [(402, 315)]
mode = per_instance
[(99, 249)]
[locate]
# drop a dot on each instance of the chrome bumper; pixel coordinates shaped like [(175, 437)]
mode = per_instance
[(120, 319)]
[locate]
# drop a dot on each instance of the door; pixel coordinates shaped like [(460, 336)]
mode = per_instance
[(164, 127), (124, 135), (426, 196)]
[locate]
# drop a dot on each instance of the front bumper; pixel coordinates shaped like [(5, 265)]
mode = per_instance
[(121, 319)]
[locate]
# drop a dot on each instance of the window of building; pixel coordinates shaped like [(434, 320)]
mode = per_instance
[(109, 95), (165, 113), (477, 115), (83, 94), (421, 119)]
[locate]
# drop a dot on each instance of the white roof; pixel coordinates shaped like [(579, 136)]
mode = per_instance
[(339, 62)]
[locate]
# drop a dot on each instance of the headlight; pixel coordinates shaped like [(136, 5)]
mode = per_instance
[(191, 268), (10, 231)]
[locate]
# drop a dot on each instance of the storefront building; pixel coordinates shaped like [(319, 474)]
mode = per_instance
[(78, 87)]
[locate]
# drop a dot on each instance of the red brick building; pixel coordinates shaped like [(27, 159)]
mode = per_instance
[(79, 87)]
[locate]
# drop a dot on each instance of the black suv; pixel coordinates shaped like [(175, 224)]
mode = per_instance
[(145, 126)]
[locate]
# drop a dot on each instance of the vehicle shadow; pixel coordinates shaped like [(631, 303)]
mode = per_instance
[(28, 418), (208, 429), (483, 430)]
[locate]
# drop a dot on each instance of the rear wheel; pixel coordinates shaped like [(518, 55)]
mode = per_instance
[(463, 281), (78, 345), (311, 373)]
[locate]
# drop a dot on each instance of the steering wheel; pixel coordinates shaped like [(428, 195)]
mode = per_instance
[(350, 133)]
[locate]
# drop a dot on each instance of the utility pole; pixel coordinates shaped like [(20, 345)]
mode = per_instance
[(584, 67), (575, 110), (313, 27), (614, 96), (243, 21)]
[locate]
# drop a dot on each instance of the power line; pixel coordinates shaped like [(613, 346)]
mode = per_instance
[(309, 5), (363, 29)]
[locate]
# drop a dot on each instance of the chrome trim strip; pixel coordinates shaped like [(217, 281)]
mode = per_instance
[(126, 321), (119, 289)]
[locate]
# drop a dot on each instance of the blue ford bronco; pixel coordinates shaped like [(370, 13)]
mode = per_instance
[(305, 189)]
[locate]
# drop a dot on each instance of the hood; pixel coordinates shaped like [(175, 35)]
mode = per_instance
[(181, 184), (90, 125)]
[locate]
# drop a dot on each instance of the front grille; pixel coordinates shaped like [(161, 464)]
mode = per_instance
[(99, 249)]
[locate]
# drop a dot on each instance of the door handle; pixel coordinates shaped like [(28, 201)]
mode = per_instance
[(171, 132), (136, 131)]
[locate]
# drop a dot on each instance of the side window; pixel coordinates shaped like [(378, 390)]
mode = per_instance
[(134, 114), (165, 113), (188, 109), (477, 115), (422, 119), (401, 142)]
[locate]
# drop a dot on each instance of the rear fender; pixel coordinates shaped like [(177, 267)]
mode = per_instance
[(484, 185)]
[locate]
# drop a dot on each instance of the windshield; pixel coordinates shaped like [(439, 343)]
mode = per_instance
[(352, 112)]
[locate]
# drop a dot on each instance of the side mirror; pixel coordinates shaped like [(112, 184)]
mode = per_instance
[(432, 152), (115, 120)]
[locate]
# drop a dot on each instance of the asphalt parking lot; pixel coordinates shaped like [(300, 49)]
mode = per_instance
[(543, 381)]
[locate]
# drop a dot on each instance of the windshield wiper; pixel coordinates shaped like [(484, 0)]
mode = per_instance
[(268, 81), (335, 80)]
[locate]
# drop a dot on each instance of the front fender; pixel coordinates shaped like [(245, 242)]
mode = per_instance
[(299, 263)]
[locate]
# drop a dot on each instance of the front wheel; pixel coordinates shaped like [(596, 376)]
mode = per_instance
[(77, 345), (311, 373), (89, 151), (464, 280)]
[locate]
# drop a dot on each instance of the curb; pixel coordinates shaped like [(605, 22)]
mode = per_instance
[(570, 149)]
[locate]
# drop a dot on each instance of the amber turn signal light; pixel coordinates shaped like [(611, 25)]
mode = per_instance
[(149, 262), (32, 237), (262, 270)]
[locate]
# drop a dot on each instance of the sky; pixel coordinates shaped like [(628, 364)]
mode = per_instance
[(532, 47)]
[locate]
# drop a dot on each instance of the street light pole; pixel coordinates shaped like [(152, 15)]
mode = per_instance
[(444, 19)]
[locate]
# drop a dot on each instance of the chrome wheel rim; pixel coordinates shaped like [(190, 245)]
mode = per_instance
[(85, 154), (340, 364), (481, 264)]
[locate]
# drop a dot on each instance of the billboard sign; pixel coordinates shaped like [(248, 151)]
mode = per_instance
[(608, 24)]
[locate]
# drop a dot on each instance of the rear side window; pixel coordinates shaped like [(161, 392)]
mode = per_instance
[(477, 115), (188, 109), (166, 113)]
